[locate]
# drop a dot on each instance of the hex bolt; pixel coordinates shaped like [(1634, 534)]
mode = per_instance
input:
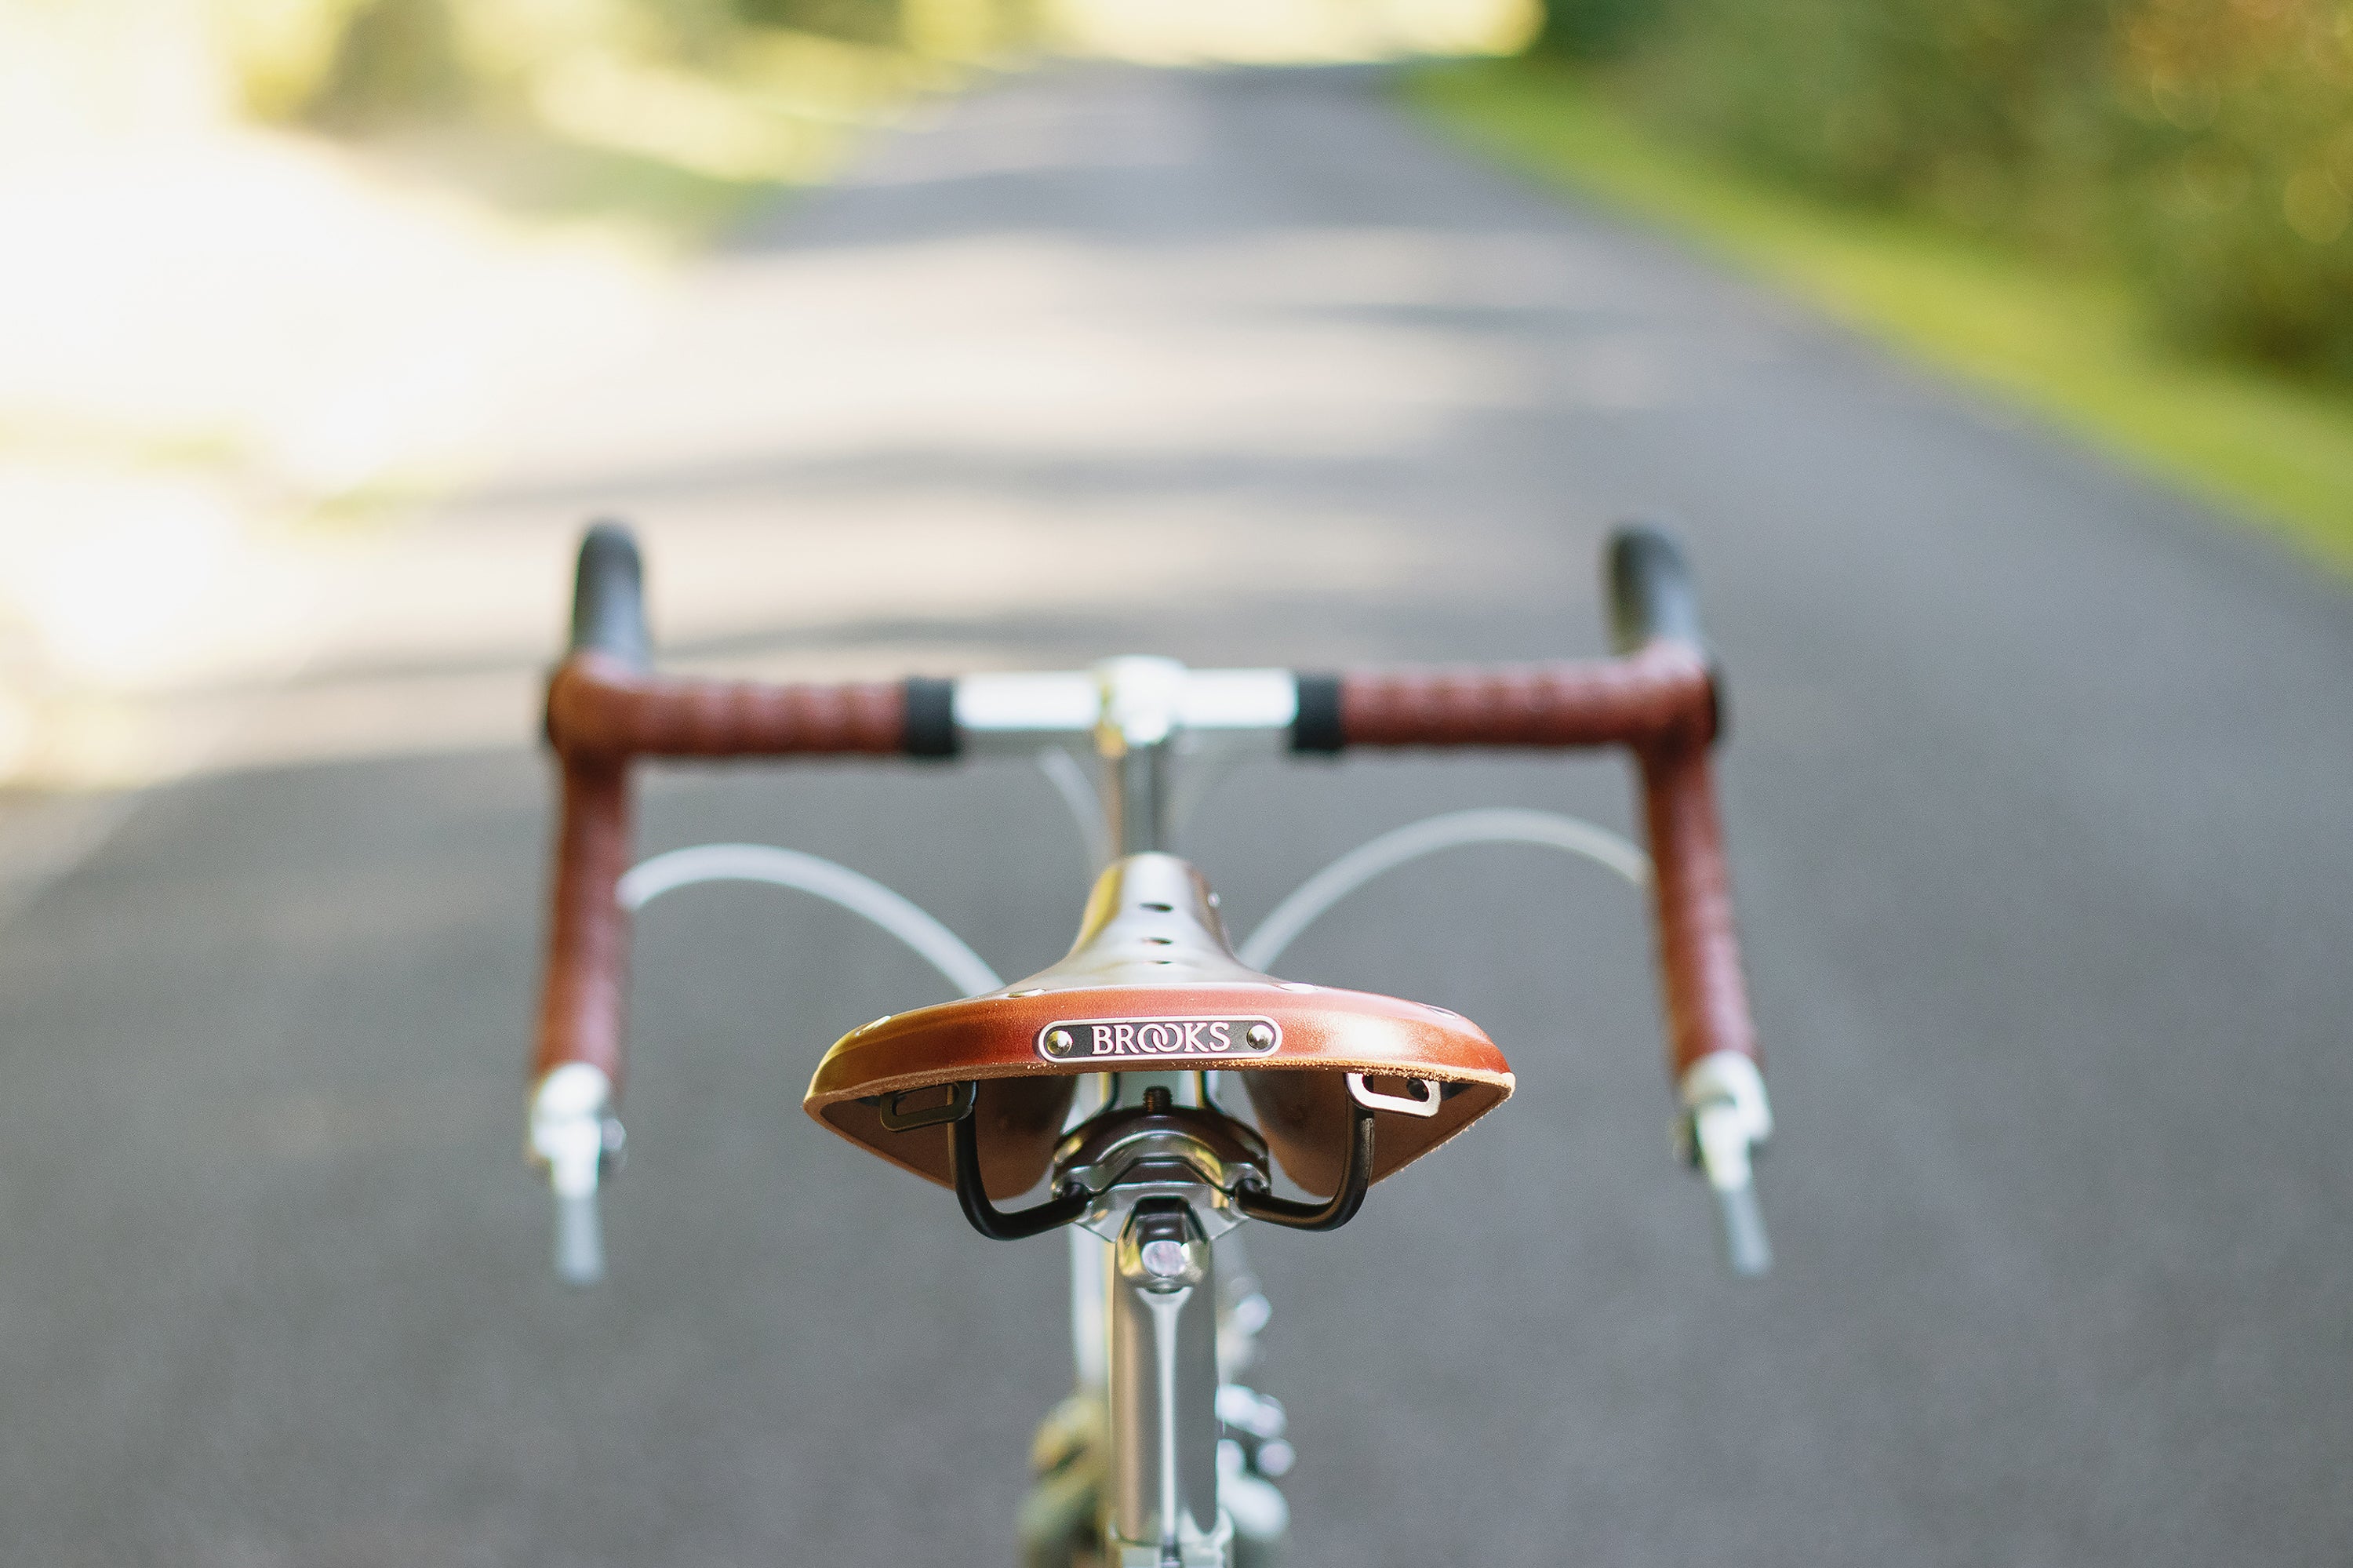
[(1162, 1259)]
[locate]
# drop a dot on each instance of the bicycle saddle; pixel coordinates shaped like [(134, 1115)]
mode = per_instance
[(1152, 985)]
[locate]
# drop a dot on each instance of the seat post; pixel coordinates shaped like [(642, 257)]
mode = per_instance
[(1162, 1492)]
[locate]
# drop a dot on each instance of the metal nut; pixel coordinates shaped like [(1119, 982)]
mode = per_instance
[(1162, 1259)]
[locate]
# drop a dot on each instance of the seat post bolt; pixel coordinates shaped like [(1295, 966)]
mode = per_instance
[(1162, 1259)]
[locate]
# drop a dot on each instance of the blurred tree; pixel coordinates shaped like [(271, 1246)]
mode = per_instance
[(2234, 198), (394, 57), (943, 29), (2204, 145), (278, 53), (965, 29), (1598, 29), (859, 21)]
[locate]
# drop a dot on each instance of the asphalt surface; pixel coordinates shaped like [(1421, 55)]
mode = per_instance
[(2032, 787)]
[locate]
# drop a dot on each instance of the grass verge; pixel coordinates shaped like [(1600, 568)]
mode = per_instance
[(2070, 347)]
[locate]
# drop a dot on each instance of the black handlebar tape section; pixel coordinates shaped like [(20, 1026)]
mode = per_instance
[(608, 597), (1653, 597), (930, 726), (1316, 726), (1651, 591)]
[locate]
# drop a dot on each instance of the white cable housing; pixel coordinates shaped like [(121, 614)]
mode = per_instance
[(1490, 825), (834, 883)]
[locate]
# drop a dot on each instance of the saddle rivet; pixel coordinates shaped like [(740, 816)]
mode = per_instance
[(1057, 1042), (1262, 1035)]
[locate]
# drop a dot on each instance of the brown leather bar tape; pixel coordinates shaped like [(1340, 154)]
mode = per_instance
[(1658, 700), (1660, 692), (1691, 890), (587, 948), (600, 707)]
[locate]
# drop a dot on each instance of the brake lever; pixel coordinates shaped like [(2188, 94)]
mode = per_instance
[(575, 1134), (1726, 1119)]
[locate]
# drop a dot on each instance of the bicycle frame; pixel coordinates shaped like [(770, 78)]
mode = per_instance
[(1152, 1169)]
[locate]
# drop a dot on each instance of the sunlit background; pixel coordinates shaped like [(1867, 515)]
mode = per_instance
[(914, 335), (277, 273), (280, 273)]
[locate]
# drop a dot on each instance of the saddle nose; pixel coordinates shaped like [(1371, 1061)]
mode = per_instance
[(1150, 920), (1152, 985)]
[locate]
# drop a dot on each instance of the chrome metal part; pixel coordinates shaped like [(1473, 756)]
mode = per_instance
[(1165, 1258), (1161, 1478), (1074, 782), (1253, 1454), (1139, 716), (1222, 703), (1015, 712), (1136, 798), (1243, 1309), (961, 1097), (1129, 1159), (1212, 1041), (1251, 1412), (1424, 1102), (1003, 712), (1161, 1163), (1724, 1119), (1260, 1516), (574, 1133)]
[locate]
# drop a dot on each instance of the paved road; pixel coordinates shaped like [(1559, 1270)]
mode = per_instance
[(2032, 789)]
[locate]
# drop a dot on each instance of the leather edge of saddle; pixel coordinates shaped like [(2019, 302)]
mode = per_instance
[(1021, 1121), (1304, 1125), (1305, 1122)]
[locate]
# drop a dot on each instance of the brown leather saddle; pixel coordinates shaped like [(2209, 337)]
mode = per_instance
[(1152, 986)]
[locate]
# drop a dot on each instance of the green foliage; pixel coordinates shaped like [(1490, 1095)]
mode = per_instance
[(394, 57), (2235, 158), (2203, 147), (1591, 31), (859, 21), (1882, 100), (2071, 343), (351, 63)]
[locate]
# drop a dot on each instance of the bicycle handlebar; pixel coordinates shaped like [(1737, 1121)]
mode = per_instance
[(1659, 702), (1651, 597), (608, 597), (1660, 698)]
